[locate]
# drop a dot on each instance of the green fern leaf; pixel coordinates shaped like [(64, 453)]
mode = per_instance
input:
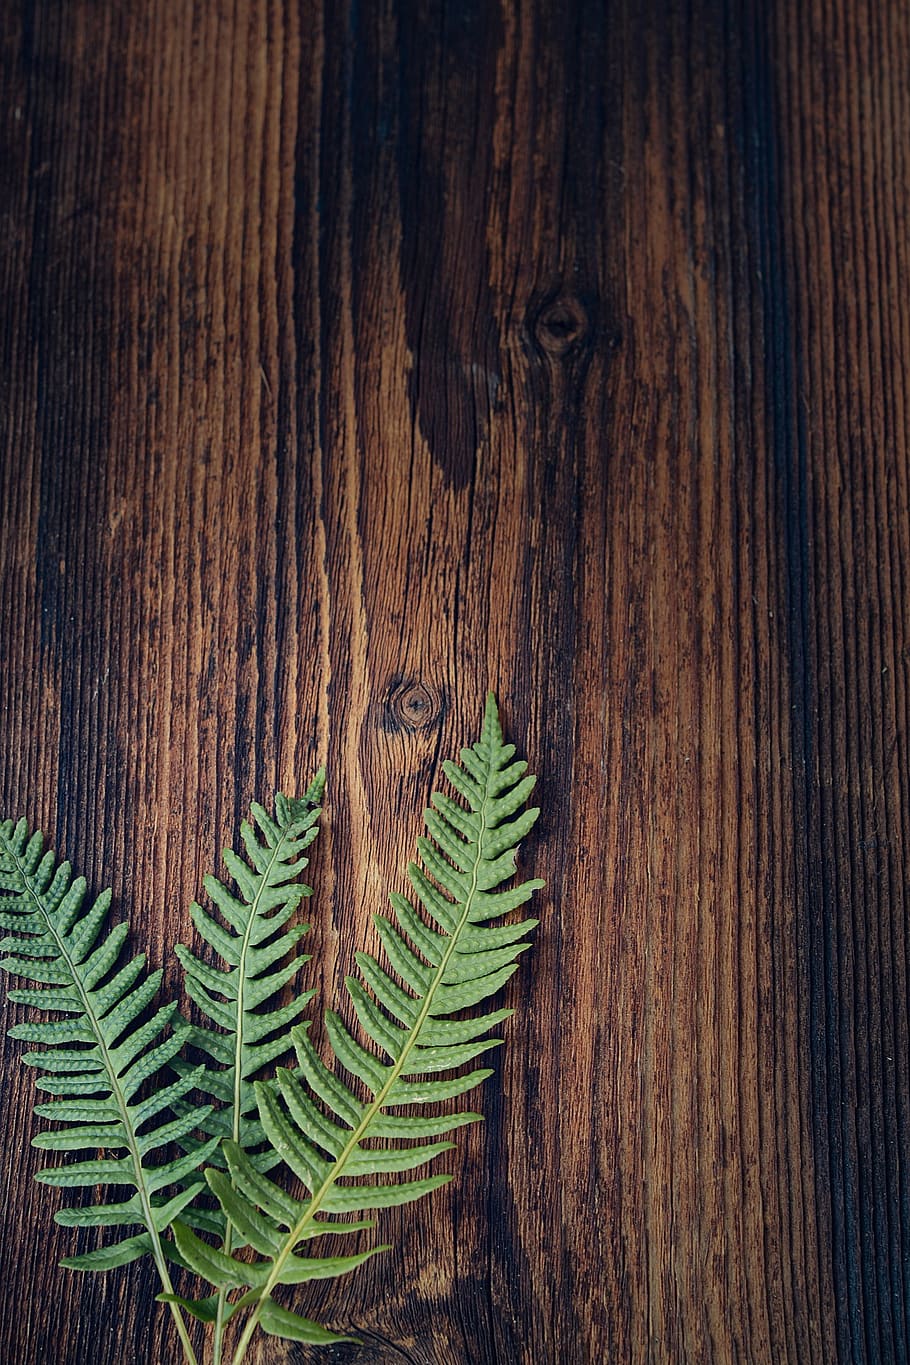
[(447, 958), (246, 1029), (280, 1322), (100, 1050)]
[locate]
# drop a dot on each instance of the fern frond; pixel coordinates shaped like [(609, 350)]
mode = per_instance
[(445, 957), (98, 1050), (246, 1029)]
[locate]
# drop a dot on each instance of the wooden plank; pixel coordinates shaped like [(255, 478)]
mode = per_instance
[(356, 358), (842, 237)]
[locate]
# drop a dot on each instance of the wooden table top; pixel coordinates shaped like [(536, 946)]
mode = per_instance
[(358, 357)]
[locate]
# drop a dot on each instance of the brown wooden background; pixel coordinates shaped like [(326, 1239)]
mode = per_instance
[(358, 356)]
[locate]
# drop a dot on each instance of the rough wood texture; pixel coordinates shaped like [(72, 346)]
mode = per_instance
[(356, 357)]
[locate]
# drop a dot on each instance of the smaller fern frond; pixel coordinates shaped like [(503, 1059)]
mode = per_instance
[(246, 1029), (447, 950), (107, 1038)]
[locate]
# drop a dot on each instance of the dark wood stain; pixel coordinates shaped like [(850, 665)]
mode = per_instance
[(357, 357)]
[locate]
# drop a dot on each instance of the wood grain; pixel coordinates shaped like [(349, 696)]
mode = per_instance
[(357, 357)]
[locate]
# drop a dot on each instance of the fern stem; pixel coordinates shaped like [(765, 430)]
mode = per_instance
[(218, 1338), (372, 1109), (120, 1100)]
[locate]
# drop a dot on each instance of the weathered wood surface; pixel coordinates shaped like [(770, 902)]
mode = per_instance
[(355, 358)]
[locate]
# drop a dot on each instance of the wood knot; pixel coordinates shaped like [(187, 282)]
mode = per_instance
[(561, 325), (410, 706)]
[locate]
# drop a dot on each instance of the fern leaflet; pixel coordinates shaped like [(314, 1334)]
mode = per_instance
[(449, 959), (99, 1051)]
